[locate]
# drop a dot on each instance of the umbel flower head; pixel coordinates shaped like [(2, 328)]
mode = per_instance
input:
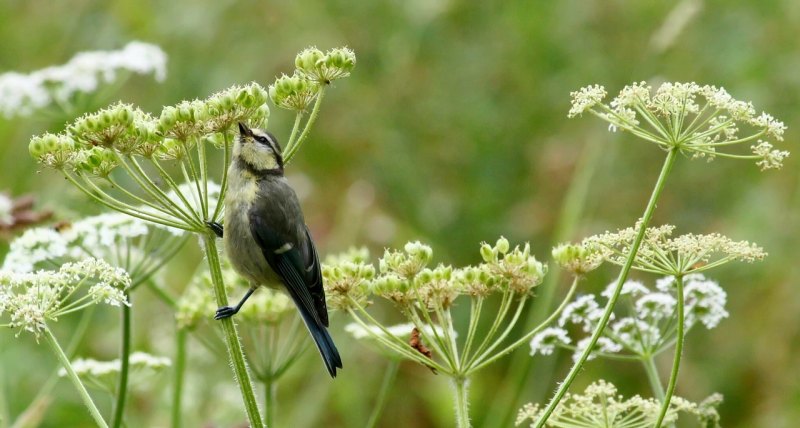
[(700, 121), (324, 68), (348, 276), (601, 406), (103, 375), (643, 327), (30, 300), (23, 94), (660, 253)]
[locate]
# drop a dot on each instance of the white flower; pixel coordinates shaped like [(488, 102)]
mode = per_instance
[(399, 330), (637, 335), (603, 345), (98, 369), (22, 94), (656, 306), (585, 98), (632, 287), (33, 247), (584, 310), (705, 301), (770, 159), (546, 341)]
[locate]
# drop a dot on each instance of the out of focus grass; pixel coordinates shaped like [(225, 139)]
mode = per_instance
[(452, 130)]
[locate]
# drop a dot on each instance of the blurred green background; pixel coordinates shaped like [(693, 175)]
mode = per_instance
[(451, 130)]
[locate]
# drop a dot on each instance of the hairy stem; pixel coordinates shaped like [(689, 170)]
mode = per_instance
[(290, 151), (461, 396), (676, 362), (124, 358), (76, 381), (623, 276), (231, 335)]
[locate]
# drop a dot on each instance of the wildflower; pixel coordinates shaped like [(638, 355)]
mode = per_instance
[(604, 345), (663, 254), (601, 406), (584, 310), (347, 277), (33, 299), (700, 121), (577, 259), (630, 287), (103, 374), (545, 342), (22, 94), (293, 92), (324, 68)]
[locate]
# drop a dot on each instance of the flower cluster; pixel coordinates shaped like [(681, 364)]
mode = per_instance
[(660, 253), (103, 374), (348, 276), (314, 69), (601, 406), (197, 303), (700, 121), (648, 325), (32, 299), (577, 259), (95, 142), (120, 240), (22, 94), (405, 278)]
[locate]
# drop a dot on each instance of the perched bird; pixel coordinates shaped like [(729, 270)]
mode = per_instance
[(266, 238)]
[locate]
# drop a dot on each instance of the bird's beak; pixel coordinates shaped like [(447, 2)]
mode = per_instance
[(244, 130)]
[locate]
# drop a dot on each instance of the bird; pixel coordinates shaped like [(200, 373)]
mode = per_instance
[(266, 238)]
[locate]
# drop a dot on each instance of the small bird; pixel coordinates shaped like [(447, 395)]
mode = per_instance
[(266, 238)]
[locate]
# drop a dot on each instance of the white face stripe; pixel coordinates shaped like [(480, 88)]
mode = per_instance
[(270, 139)]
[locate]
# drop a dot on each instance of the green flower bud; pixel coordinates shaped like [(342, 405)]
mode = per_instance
[(502, 245), (168, 117), (487, 253), (125, 115), (577, 259), (306, 61)]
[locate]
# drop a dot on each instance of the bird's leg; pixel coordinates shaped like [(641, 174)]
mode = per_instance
[(229, 311), (216, 228)]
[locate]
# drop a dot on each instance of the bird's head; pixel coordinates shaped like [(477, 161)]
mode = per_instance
[(258, 150)]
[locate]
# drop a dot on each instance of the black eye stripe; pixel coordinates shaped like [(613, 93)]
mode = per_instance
[(261, 139)]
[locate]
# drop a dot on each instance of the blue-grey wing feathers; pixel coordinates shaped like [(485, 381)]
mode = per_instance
[(292, 255)]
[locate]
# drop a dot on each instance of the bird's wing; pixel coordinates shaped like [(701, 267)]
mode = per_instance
[(298, 269)]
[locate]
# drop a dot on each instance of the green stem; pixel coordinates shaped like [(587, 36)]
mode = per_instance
[(290, 151), (124, 357), (180, 372), (676, 362), (231, 335), (76, 381), (42, 396), (223, 187), (652, 376), (461, 396), (507, 401), (383, 394), (5, 415), (672, 155), (270, 395)]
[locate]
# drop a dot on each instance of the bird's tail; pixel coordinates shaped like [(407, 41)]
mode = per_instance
[(324, 342)]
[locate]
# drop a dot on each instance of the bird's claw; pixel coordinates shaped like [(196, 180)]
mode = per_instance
[(216, 228), (224, 312)]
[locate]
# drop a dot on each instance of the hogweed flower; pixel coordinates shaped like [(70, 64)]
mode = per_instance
[(31, 300), (103, 375), (426, 296), (643, 327), (134, 245), (699, 121), (23, 94), (601, 406), (661, 253)]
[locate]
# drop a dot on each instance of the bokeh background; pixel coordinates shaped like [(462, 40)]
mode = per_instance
[(452, 130)]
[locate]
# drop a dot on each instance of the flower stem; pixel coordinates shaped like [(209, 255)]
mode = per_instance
[(76, 381), (386, 385), (461, 395), (231, 335), (507, 400), (672, 155), (290, 151), (652, 376), (125, 352), (180, 371), (676, 362), (270, 395)]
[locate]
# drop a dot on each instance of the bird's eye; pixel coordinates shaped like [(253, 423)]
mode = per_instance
[(261, 139)]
